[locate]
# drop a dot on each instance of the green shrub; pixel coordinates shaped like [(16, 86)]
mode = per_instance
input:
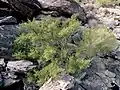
[(96, 40), (42, 39), (47, 41), (43, 75), (75, 65)]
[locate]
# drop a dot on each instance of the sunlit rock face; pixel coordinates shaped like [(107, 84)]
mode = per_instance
[(64, 83)]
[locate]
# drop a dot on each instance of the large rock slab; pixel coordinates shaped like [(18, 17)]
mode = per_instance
[(20, 66), (27, 8), (64, 7)]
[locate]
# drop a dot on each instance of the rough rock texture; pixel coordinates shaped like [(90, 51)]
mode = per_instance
[(8, 80), (20, 66), (100, 74), (64, 7), (8, 32), (27, 8), (31, 8), (64, 83), (11, 74), (99, 15)]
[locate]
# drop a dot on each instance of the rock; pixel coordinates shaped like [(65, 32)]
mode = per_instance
[(100, 74), (1, 81), (64, 83), (117, 33), (8, 32), (4, 4), (31, 86), (13, 85), (2, 63), (64, 7), (110, 74), (8, 81), (93, 23), (76, 37), (8, 20), (20, 66), (28, 8), (32, 8)]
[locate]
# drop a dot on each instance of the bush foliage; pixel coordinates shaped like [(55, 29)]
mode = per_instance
[(47, 41)]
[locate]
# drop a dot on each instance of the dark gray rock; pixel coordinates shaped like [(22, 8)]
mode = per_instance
[(100, 74), (10, 81), (27, 8), (32, 8), (8, 20), (15, 85), (4, 4), (8, 32), (64, 7)]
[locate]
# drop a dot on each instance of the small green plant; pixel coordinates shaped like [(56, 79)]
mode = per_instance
[(43, 75), (75, 65), (47, 41), (107, 2)]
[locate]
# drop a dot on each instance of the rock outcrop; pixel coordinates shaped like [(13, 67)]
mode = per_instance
[(32, 8), (8, 32), (100, 74), (11, 75)]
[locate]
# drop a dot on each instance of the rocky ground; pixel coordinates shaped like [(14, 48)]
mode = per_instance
[(102, 70), (107, 15)]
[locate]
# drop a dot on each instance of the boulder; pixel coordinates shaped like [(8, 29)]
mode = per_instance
[(64, 7), (28, 8), (32, 8), (20, 66)]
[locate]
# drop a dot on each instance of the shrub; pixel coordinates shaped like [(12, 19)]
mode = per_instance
[(43, 75), (47, 40), (42, 39), (96, 40)]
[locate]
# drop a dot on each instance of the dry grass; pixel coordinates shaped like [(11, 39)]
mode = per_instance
[(107, 2)]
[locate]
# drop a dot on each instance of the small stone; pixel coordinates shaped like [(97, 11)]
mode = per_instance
[(117, 33), (109, 74), (2, 63)]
